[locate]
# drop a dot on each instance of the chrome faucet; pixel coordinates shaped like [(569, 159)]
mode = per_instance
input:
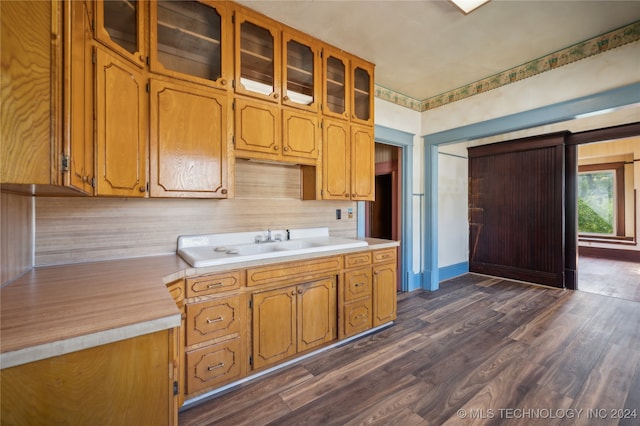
[(260, 238)]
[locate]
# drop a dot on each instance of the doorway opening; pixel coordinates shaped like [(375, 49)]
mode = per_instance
[(383, 216), (607, 207)]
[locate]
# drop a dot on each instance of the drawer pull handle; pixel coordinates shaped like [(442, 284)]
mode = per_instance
[(213, 367), (214, 285), (359, 284), (211, 321), (361, 316)]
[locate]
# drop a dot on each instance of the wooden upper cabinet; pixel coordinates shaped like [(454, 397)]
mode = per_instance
[(30, 45), (362, 163), (335, 83), (336, 160), (79, 81), (188, 141), (348, 163), (121, 123), (120, 26), (301, 75), (257, 56), (300, 136), (362, 92), (191, 40), (258, 129)]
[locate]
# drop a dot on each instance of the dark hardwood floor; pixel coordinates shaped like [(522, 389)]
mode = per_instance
[(478, 351), (609, 277)]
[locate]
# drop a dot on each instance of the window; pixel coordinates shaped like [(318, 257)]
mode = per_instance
[(601, 199)]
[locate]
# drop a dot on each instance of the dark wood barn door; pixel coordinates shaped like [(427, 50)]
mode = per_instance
[(516, 209)]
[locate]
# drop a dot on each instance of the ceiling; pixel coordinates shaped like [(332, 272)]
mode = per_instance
[(423, 48)]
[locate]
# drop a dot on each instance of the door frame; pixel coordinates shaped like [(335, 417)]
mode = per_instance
[(386, 135)]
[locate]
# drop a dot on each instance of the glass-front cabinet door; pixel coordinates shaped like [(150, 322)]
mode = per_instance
[(120, 26), (335, 84), (300, 71), (362, 92), (257, 54), (191, 40)]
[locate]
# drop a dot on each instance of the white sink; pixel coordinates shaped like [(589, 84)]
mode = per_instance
[(220, 249)]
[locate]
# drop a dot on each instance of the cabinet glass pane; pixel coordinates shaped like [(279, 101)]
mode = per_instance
[(299, 73), (361, 95), (256, 59), (120, 21), (189, 35), (336, 93)]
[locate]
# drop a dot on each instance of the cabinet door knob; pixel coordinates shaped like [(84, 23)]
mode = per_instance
[(276, 96), (223, 82), (224, 191), (286, 98), (275, 148), (299, 291), (346, 195), (142, 189), (286, 148)]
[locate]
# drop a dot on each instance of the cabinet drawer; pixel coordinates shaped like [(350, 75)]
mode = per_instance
[(357, 259), (212, 318), (357, 284), (357, 317), (294, 272), (213, 365), (386, 255), (211, 284)]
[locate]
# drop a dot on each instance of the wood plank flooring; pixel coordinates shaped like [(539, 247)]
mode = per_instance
[(478, 351), (609, 277)]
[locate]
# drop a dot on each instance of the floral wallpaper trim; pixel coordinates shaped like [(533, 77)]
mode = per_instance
[(594, 46)]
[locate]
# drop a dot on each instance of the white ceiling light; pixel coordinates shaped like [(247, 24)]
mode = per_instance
[(468, 6)]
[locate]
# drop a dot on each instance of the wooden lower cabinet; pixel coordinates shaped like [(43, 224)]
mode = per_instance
[(385, 285), (292, 319), (129, 382), (242, 321)]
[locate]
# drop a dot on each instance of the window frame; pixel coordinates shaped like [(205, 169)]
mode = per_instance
[(619, 223)]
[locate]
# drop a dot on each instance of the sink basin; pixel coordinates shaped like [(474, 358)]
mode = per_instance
[(200, 251)]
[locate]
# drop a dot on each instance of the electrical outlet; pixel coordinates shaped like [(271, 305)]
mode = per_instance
[(338, 214)]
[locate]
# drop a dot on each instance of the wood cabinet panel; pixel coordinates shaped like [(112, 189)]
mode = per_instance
[(214, 283), (300, 136), (316, 313), (384, 293), (30, 108), (258, 129), (78, 94), (357, 284), (188, 141), (274, 326), (121, 127), (357, 317), (126, 382), (357, 259), (213, 365), (336, 160), (362, 163), (294, 272), (386, 255), (210, 319), (293, 319)]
